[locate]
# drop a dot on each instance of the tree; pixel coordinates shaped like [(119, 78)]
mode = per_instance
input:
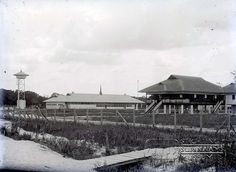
[(9, 98)]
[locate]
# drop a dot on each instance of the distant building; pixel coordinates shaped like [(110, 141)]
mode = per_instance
[(184, 94), (92, 101), (230, 97), (55, 95)]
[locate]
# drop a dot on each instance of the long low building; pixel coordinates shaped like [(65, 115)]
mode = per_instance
[(93, 101)]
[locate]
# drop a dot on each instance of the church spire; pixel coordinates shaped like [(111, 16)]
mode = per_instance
[(100, 92)]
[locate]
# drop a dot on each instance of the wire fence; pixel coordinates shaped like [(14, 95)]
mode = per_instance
[(197, 121)]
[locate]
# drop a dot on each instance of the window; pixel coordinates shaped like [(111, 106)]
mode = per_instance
[(233, 97)]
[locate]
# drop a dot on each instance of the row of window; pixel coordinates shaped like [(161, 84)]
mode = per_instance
[(54, 104), (195, 96), (114, 105), (98, 105)]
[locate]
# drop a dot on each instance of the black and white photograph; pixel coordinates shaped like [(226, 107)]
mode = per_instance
[(118, 86)]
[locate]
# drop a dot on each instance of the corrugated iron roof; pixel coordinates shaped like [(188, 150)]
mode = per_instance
[(94, 98), (183, 84), (231, 88)]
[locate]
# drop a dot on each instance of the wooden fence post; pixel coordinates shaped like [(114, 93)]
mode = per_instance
[(134, 118), (87, 115), (153, 119), (64, 115), (229, 125), (175, 120), (55, 113), (116, 117), (51, 114), (101, 117), (201, 122), (107, 144), (74, 115), (46, 113), (77, 116)]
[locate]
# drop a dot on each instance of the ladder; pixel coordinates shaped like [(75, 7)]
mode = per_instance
[(217, 106), (150, 107), (157, 106)]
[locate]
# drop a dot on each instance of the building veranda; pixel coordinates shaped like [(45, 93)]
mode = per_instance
[(188, 94)]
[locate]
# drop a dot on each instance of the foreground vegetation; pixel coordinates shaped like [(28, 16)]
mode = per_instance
[(115, 138)]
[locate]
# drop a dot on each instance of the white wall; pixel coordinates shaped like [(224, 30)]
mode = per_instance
[(93, 106), (82, 106), (21, 104), (55, 105), (229, 100)]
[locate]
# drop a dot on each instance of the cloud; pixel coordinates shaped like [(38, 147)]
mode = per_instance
[(89, 57), (157, 25), (116, 25), (78, 45)]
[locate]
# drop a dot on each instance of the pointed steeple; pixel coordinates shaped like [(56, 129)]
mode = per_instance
[(100, 92)]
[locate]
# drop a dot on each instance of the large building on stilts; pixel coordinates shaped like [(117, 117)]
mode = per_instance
[(185, 94)]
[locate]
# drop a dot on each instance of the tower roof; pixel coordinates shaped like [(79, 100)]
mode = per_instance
[(21, 75)]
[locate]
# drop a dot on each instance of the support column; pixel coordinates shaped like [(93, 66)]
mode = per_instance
[(169, 109), (209, 109), (191, 109), (225, 105), (182, 109), (164, 109)]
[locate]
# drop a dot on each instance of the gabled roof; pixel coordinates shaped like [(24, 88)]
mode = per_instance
[(229, 89), (183, 84), (94, 98)]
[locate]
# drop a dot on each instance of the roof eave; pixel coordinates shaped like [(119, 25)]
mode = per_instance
[(183, 92)]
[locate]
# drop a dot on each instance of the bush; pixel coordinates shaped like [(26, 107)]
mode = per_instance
[(71, 148)]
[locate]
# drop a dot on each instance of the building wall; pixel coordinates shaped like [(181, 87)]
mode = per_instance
[(234, 109), (89, 106), (82, 106), (55, 105), (189, 98), (230, 100)]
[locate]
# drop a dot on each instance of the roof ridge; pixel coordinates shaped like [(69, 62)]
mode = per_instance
[(173, 76)]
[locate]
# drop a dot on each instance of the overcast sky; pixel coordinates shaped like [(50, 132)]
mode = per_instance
[(76, 45)]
